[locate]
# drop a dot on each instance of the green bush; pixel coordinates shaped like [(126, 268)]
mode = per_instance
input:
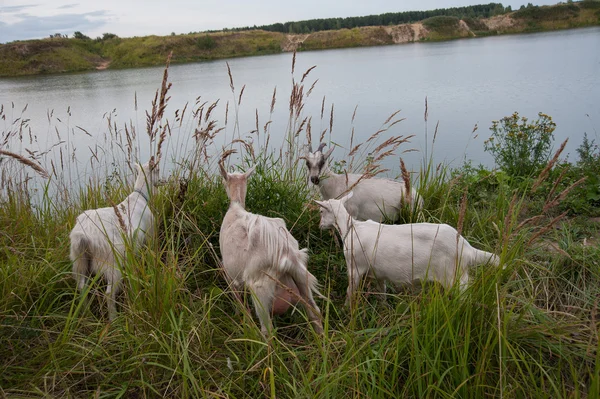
[(441, 22), (560, 11), (206, 42), (521, 148)]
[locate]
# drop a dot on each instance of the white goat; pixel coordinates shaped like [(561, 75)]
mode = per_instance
[(260, 253), (100, 236), (400, 254), (374, 198)]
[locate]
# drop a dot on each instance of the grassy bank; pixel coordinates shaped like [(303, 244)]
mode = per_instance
[(57, 55), (528, 330)]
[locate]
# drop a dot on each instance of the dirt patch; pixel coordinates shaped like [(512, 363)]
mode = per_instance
[(464, 28), (102, 65), (293, 42), (406, 33), (501, 23)]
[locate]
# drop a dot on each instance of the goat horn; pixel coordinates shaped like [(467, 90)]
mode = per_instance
[(321, 146)]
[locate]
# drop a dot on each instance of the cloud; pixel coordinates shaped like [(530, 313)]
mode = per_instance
[(35, 27), (12, 9), (66, 6)]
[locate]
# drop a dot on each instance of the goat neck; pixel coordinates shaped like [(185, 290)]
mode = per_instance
[(143, 185), (236, 189), (328, 183), (343, 221)]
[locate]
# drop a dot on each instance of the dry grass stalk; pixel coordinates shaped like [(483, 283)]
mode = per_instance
[(307, 72), (546, 228), (560, 197), (391, 117), (241, 94), (548, 167), (159, 104), (161, 140), (311, 88), (406, 178), (322, 107), (210, 109), (532, 220), (273, 100), (118, 213), (309, 132), (230, 77), (21, 159), (426, 115), (266, 126), (301, 127), (375, 135), (353, 150), (322, 136), (507, 221), (226, 112), (435, 132), (294, 62), (256, 120), (331, 120), (354, 113)]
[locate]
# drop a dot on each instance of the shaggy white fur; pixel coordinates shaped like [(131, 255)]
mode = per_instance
[(400, 254), (260, 253), (99, 239)]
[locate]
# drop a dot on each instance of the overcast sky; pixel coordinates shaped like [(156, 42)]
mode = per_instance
[(31, 19)]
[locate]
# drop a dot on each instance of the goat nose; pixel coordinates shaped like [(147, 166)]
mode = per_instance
[(315, 179)]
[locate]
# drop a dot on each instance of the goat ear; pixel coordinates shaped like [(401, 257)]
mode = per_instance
[(346, 197), (320, 203), (310, 147), (250, 172), (139, 170), (223, 171), (328, 153)]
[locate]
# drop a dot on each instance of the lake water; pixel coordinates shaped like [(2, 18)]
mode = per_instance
[(467, 83)]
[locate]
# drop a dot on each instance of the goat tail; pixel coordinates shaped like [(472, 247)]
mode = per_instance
[(80, 256), (296, 268), (480, 257)]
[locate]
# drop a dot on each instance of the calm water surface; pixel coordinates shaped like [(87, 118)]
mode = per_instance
[(466, 82)]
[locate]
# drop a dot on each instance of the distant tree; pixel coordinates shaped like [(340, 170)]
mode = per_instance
[(172, 33), (107, 36), (80, 36)]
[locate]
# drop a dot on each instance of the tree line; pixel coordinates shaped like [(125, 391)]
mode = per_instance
[(390, 18)]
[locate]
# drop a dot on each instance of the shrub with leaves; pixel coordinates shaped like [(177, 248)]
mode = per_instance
[(521, 148)]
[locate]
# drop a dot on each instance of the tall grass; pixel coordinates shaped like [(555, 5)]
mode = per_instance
[(529, 330)]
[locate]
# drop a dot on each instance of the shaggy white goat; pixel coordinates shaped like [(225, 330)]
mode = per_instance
[(100, 236), (373, 198), (260, 253), (400, 254)]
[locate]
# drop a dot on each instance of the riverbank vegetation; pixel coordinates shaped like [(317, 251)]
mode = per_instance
[(529, 329), (80, 53)]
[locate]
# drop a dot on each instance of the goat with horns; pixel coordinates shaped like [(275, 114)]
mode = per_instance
[(374, 198)]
